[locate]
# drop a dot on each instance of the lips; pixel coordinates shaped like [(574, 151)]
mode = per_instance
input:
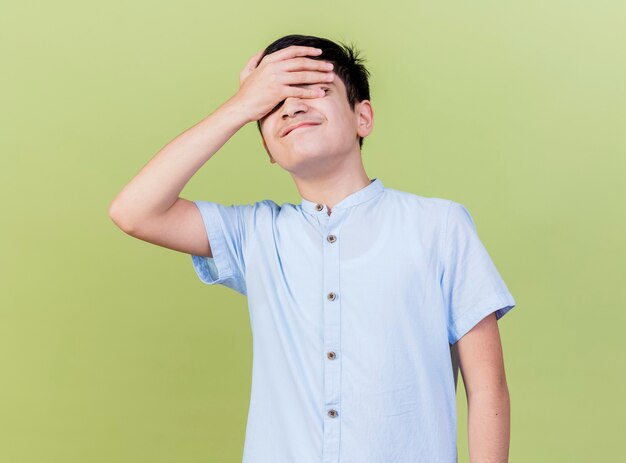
[(298, 125)]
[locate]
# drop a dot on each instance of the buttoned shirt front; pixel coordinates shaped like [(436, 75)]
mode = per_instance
[(354, 316)]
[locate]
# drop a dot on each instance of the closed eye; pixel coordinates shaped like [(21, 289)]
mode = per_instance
[(326, 89)]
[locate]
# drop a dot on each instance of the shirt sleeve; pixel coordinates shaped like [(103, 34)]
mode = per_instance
[(227, 228), (472, 287)]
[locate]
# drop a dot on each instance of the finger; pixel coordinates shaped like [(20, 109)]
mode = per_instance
[(308, 77), (305, 64), (291, 52), (253, 61), (305, 92), (249, 67)]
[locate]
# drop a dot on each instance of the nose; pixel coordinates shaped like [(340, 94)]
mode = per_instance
[(292, 106)]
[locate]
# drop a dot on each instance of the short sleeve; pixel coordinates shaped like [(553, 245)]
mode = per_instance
[(227, 229), (471, 285)]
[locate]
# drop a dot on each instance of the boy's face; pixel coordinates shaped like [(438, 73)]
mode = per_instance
[(331, 128)]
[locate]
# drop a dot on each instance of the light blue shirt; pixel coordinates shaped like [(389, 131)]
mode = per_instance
[(353, 319)]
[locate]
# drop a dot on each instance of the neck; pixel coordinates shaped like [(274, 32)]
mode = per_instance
[(329, 186)]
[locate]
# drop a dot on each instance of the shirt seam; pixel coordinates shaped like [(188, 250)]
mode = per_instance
[(444, 240)]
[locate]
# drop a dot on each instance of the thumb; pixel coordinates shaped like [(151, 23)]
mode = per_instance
[(250, 66)]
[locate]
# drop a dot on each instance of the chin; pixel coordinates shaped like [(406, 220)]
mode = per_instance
[(303, 158), (309, 148)]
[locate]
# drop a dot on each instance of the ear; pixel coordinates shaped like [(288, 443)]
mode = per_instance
[(365, 118), (272, 161)]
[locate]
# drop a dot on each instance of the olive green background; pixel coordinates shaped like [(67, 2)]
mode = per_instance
[(112, 350)]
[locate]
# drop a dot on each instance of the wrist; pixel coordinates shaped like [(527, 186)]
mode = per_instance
[(237, 111)]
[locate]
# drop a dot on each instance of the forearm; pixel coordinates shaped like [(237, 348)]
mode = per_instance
[(489, 426), (158, 185)]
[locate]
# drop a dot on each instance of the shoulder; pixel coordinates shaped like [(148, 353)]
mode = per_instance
[(268, 212), (232, 215), (443, 219), (253, 209), (432, 206)]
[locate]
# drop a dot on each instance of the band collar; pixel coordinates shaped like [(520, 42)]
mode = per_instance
[(368, 192)]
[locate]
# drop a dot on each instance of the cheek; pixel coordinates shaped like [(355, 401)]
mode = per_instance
[(267, 134), (263, 127), (344, 124)]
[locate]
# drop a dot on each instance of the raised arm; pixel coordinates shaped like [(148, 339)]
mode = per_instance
[(149, 206)]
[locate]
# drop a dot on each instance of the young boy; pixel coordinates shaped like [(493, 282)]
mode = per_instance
[(362, 298)]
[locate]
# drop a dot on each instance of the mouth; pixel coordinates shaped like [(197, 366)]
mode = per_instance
[(302, 126)]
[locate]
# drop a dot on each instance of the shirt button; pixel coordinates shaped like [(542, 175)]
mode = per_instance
[(319, 207), (332, 413), (331, 238), (332, 296), (331, 355)]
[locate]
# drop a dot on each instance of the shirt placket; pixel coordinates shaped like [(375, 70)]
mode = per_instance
[(332, 334)]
